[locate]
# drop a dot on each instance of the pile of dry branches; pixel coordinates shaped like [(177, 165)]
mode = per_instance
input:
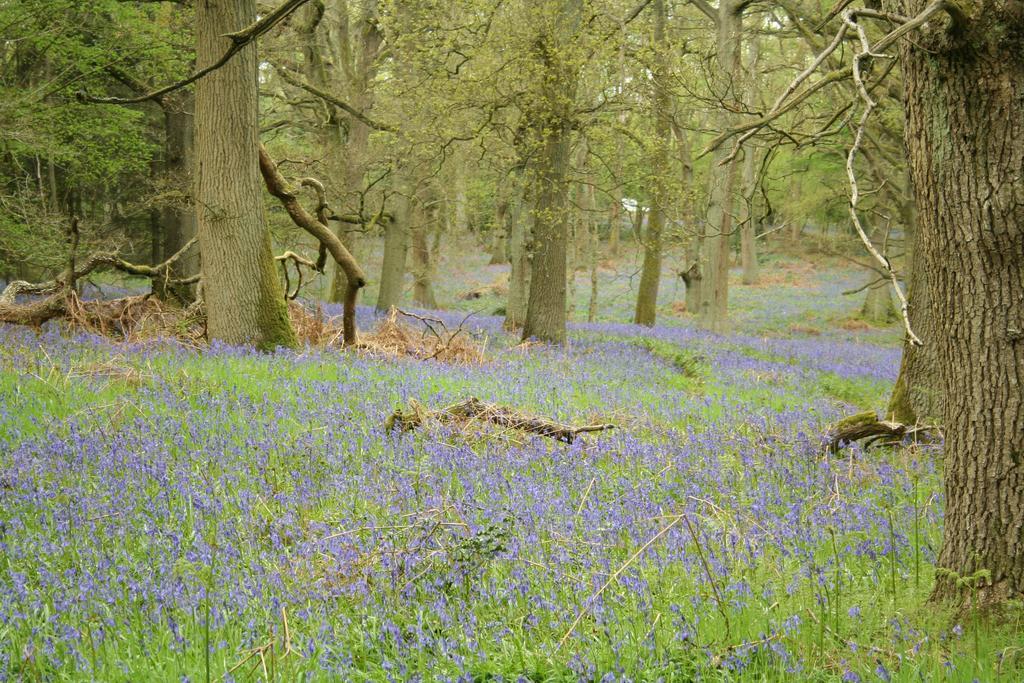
[(433, 342), (473, 411), (129, 318)]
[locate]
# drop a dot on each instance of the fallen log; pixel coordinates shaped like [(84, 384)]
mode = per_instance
[(474, 409), (867, 426)]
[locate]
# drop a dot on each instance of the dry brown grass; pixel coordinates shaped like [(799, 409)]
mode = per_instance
[(433, 342), (797, 328), (143, 318), (499, 287), (855, 325), (136, 319), (788, 274)]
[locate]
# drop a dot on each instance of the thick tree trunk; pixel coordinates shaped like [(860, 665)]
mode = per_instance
[(715, 285), (550, 118), (244, 300), (423, 266), (546, 305), (650, 271), (965, 140), (392, 269), (917, 394)]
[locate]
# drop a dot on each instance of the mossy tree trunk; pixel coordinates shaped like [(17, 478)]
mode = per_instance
[(244, 300), (964, 133), (550, 118), (650, 271)]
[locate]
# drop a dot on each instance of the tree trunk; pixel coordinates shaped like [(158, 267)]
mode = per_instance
[(179, 219), (550, 118), (499, 247), (392, 269), (878, 307), (715, 285), (650, 271), (965, 141), (519, 278), (546, 305), (748, 229), (691, 271), (917, 394), (423, 267), (244, 300), (615, 222), (593, 257), (355, 69)]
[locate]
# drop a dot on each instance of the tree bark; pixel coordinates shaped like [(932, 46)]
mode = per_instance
[(964, 133), (244, 300), (423, 267), (179, 219), (691, 271), (519, 277), (499, 243), (917, 395), (550, 116), (392, 269), (650, 271), (715, 285), (748, 226), (354, 54)]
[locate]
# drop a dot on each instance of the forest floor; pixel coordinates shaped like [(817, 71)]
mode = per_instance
[(168, 514)]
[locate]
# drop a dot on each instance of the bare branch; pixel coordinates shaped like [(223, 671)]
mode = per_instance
[(292, 79), (867, 52), (278, 187)]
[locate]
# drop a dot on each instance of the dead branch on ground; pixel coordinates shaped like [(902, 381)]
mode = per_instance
[(866, 426), (473, 409), (60, 295)]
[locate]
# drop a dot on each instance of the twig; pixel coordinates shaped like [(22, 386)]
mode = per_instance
[(868, 52), (611, 579), (711, 578)]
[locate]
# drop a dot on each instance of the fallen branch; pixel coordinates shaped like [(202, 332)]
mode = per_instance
[(867, 426), (60, 299), (102, 259), (474, 409)]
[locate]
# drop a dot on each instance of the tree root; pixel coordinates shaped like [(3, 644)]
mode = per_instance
[(474, 409)]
